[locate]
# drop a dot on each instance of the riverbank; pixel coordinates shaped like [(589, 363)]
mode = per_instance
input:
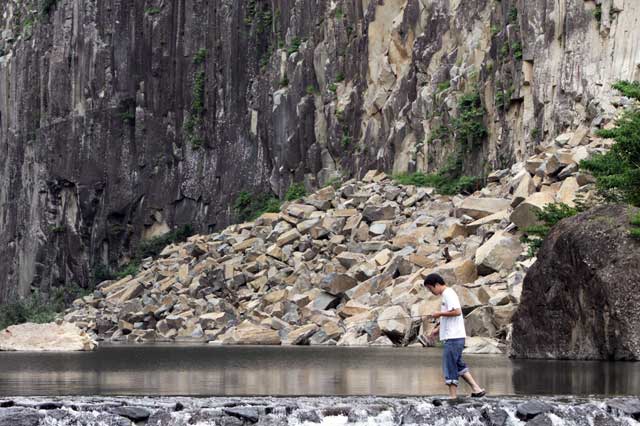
[(317, 411)]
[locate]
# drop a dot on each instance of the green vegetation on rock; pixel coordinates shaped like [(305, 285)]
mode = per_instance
[(146, 248), (550, 215), (152, 10), (630, 89), (439, 181), (295, 191), (40, 309), (248, 207), (618, 171), (635, 226)]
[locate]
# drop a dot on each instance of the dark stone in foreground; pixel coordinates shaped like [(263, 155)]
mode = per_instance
[(582, 293), (19, 417), (629, 408), (317, 410), (250, 414), (136, 414), (531, 409)]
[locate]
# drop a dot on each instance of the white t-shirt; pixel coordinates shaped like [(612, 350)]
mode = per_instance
[(451, 327)]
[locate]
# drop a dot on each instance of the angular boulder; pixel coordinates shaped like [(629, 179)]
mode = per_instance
[(499, 253), (45, 337), (335, 283), (580, 300), (525, 215), (478, 208)]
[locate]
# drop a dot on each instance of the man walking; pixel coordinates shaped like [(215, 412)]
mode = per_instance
[(453, 334)]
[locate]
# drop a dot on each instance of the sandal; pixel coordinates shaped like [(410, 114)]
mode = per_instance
[(478, 394)]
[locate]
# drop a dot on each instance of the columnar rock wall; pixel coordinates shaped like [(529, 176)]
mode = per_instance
[(122, 119)]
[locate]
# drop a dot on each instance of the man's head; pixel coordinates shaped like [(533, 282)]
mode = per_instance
[(435, 283)]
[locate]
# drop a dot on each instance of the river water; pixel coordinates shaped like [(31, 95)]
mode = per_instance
[(204, 370)]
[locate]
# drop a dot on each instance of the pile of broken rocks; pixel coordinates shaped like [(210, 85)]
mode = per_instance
[(345, 266)]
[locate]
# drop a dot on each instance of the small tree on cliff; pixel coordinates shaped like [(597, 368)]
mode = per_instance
[(618, 171)]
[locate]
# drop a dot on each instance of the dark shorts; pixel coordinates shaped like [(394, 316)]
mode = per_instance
[(452, 363)]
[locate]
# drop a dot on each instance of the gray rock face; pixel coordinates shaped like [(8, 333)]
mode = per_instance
[(582, 294), (120, 121)]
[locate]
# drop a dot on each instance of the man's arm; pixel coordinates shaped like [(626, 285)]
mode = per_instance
[(451, 313)]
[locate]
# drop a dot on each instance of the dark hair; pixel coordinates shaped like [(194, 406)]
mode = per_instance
[(433, 279)]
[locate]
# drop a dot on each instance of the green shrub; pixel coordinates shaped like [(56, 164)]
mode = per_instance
[(630, 89), (128, 117), (339, 77), (517, 51), (550, 215), (439, 181), (469, 125), (335, 182), (332, 87), (439, 133), (311, 90), (155, 245), (339, 13), (513, 15), (635, 226), (285, 81), (249, 207), (597, 13), (444, 86), (200, 56), (295, 191), (295, 45), (618, 171), (346, 140), (152, 10)]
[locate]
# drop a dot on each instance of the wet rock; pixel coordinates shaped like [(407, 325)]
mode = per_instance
[(135, 414), (495, 417), (249, 414), (19, 417), (627, 407), (530, 409)]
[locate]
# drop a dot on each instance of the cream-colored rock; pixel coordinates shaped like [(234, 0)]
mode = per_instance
[(480, 322), (468, 299), (45, 338), (524, 188), (525, 214), (478, 208), (288, 237), (499, 253), (459, 271), (301, 335), (487, 220), (252, 334), (483, 345), (394, 321), (567, 192)]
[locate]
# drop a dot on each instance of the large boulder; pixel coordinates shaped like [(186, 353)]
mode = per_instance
[(45, 337), (580, 299), (499, 253), (526, 214)]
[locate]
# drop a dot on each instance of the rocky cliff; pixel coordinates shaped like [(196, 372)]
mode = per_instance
[(122, 119)]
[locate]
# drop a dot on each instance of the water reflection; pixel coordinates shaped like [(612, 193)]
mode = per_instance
[(206, 370)]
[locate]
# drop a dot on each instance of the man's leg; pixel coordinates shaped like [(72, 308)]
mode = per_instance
[(453, 391), (449, 366), (471, 382)]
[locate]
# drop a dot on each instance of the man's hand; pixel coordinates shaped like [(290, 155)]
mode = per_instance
[(436, 314)]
